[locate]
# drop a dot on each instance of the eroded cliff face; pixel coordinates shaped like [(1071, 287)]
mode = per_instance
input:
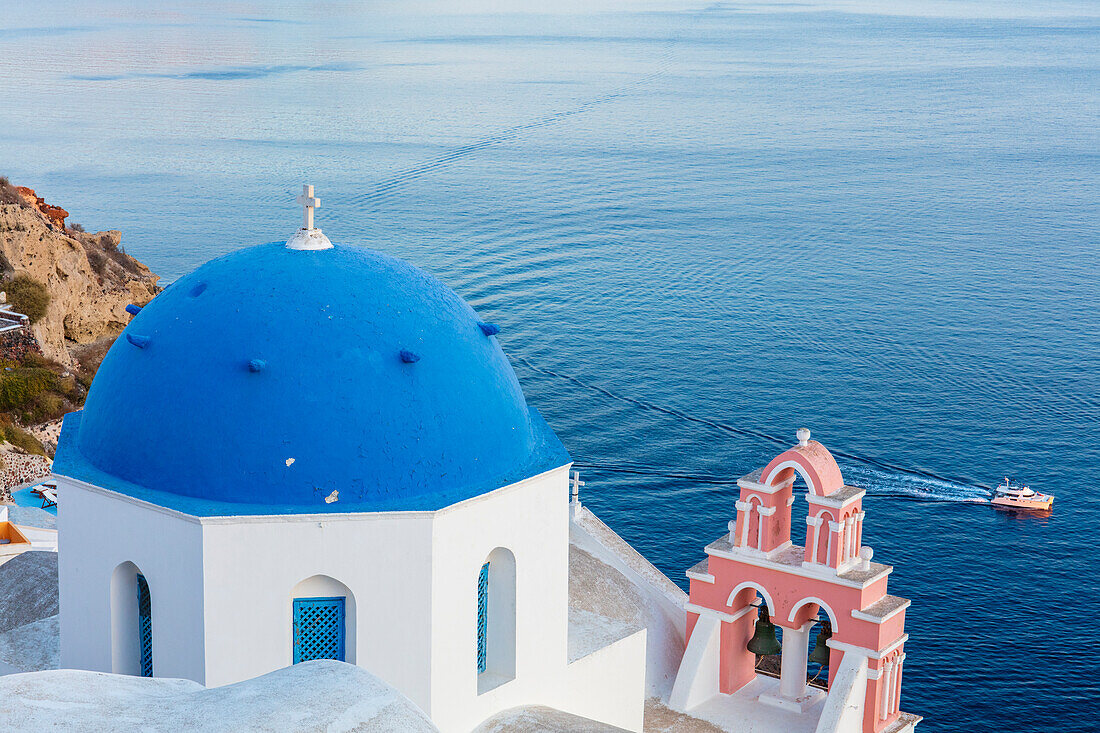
[(90, 280)]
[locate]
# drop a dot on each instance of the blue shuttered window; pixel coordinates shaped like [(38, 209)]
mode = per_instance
[(318, 629), (482, 615), (145, 626)]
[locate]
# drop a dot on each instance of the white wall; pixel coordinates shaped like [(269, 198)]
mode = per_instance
[(253, 565), (97, 531), (222, 591), (609, 684), (531, 519), (40, 539)]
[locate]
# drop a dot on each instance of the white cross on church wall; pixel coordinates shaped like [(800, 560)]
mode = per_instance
[(309, 203)]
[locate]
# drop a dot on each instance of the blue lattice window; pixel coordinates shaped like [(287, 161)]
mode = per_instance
[(318, 629), (145, 626), (482, 615)]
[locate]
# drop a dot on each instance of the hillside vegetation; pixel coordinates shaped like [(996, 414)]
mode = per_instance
[(74, 287)]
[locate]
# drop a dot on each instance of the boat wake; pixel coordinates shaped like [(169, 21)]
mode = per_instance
[(879, 477), (910, 486), (877, 483)]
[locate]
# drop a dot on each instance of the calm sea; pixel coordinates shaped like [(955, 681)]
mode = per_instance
[(737, 219)]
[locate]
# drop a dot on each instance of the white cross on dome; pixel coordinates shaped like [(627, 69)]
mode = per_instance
[(309, 202), (308, 237)]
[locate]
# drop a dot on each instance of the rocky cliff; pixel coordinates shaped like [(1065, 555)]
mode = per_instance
[(90, 279)]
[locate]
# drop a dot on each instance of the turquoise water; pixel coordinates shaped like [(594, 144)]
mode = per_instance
[(700, 226)]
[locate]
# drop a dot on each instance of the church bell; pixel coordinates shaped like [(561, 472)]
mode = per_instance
[(820, 654), (763, 639)]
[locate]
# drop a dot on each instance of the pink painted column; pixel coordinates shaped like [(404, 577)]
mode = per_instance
[(834, 664), (777, 525), (736, 662)]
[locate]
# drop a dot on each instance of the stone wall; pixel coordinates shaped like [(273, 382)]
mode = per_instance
[(21, 468), (15, 345)]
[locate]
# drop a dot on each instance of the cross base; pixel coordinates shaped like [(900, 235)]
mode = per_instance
[(309, 239)]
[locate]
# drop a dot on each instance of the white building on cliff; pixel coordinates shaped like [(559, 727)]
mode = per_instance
[(308, 451)]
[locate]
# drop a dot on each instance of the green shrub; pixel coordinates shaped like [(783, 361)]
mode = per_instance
[(37, 361), (29, 296), (47, 406), (70, 387), (20, 438), (20, 387)]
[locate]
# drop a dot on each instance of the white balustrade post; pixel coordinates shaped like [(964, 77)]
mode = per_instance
[(886, 692), (834, 530), (897, 684), (763, 512), (850, 538), (859, 533), (816, 523), (745, 509)]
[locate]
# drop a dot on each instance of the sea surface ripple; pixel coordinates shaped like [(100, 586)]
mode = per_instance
[(700, 226)]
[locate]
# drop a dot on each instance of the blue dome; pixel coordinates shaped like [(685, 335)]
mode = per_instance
[(275, 380)]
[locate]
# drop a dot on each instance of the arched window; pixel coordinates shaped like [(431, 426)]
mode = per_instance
[(323, 620), (496, 620), (817, 663), (755, 520), (145, 626), (815, 611), (482, 615), (131, 622), (767, 664)]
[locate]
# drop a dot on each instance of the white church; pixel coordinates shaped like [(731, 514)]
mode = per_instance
[(309, 451)]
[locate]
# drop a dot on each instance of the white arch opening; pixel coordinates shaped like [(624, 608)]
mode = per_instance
[(822, 605), (319, 587), (496, 631), (126, 621), (811, 487), (758, 588)]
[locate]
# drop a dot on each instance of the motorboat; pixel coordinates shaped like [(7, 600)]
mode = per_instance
[(1009, 495)]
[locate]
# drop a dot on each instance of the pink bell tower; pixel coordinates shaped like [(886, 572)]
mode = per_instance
[(757, 566)]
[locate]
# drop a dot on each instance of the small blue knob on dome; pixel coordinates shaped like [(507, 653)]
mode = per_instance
[(133, 310), (489, 329), (257, 365), (409, 357), (137, 340)]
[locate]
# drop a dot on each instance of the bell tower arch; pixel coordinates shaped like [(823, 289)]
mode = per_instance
[(829, 583)]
